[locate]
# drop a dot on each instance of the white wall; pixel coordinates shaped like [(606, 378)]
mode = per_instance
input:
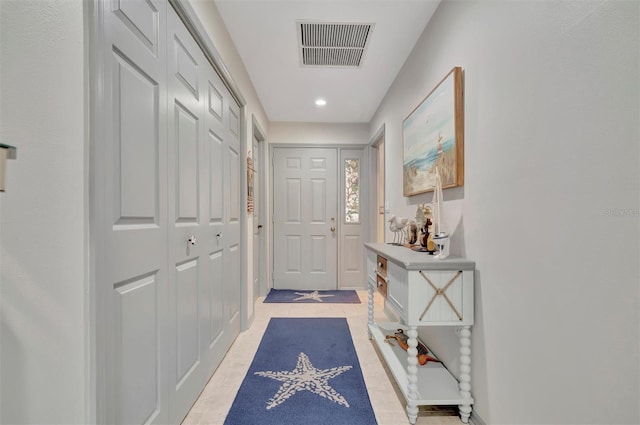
[(219, 35), (319, 133), (42, 218), (550, 208)]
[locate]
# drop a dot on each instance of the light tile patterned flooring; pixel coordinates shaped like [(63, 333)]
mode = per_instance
[(388, 403)]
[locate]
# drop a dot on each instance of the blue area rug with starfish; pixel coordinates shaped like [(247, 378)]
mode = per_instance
[(305, 372), (296, 296)]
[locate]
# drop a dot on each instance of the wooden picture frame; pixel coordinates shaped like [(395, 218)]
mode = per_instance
[(433, 135)]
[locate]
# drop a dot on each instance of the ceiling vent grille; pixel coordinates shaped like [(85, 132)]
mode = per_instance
[(332, 44)]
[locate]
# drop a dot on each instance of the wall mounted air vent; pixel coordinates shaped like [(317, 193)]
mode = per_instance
[(331, 44)]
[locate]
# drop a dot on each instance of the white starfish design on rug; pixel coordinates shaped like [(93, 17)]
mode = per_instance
[(305, 377), (311, 296)]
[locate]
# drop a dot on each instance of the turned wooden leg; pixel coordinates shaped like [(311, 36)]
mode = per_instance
[(465, 372), (412, 374), (371, 294)]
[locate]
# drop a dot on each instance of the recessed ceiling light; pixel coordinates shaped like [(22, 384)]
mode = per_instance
[(321, 102)]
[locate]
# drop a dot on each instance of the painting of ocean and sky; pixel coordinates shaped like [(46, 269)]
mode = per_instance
[(430, 136)]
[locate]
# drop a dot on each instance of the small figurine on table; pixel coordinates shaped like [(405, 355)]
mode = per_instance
[(424, 215), (397, 225)]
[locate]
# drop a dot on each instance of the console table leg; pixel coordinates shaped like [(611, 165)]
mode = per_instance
[(412, 374), (465, 372), (370, 299)]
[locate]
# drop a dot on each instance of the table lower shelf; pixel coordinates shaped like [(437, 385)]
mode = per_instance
[(436, 385)]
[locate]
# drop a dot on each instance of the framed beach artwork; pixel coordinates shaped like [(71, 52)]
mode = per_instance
[(433, 136)]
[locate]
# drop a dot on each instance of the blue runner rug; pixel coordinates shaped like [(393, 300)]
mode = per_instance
[(295, 296), (305, 372)]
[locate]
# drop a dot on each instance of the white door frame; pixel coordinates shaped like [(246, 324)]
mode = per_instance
[(373, 203), (259, 134)]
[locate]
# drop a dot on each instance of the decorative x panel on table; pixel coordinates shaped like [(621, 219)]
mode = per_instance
[(440, 292)]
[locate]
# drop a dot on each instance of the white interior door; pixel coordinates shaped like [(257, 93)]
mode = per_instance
[(304, 218), (257, 219), (229, 240), (188, 217), (167, 216), (222, 240), (204, 205), (131, 224)]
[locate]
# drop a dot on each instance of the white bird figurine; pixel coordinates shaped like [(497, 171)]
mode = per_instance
[(396, 225)]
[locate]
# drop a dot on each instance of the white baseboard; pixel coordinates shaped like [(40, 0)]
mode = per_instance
[(475, 419)]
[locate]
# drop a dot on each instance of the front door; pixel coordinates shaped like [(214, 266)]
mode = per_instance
[(304, 218)]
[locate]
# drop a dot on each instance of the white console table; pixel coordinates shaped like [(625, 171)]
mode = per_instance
[(423, 291)]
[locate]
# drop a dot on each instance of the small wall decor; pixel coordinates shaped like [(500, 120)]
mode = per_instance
[(433, 135), (6, 152), (250, 171)]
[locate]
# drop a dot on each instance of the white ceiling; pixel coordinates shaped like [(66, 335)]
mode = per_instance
[(264, 32)]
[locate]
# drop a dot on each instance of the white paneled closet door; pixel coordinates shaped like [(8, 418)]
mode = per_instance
[(187, 199), (222, 154), (231, 160), (130, 164), (204, 204), (167, 186)]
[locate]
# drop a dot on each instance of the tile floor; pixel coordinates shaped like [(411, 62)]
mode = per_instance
[(388, 403)]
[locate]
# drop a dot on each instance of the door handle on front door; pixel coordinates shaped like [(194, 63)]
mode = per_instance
[(333, 225)]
